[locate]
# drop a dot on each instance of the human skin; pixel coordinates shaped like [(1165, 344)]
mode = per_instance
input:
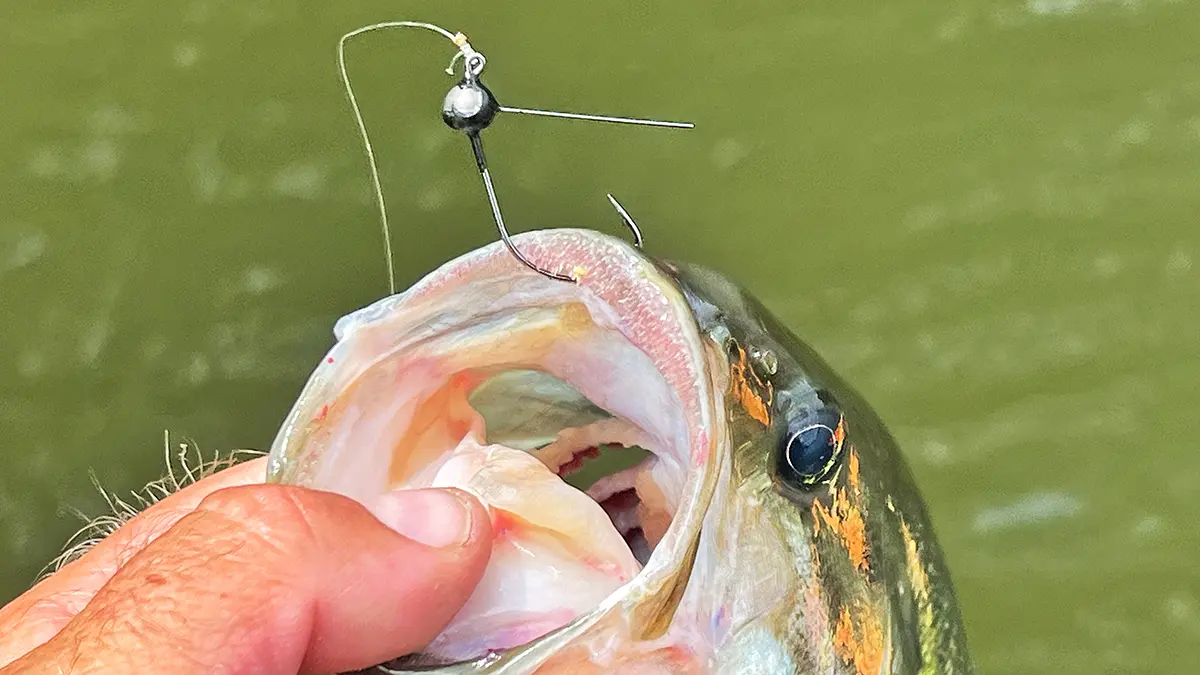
[(231, 576)]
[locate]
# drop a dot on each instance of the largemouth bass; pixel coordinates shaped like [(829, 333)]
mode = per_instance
[(772, 527)]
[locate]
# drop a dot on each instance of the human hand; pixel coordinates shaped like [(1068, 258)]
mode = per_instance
[(230, 575)]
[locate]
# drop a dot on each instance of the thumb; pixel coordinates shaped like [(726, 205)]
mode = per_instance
[(281, 579)]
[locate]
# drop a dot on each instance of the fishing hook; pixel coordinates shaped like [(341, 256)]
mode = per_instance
[(627, 219), (471, 107)]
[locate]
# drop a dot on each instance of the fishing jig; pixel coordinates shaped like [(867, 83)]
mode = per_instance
[(470, 107)]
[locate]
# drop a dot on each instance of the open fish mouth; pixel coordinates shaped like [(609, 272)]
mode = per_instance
[(491, 378)]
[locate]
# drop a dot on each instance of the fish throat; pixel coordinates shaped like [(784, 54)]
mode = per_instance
[(597, 454)]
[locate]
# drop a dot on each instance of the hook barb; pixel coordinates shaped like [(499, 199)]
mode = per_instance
[(627, 219)]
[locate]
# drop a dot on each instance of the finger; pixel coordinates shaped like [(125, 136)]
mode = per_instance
[(278, 579), (42, 611)]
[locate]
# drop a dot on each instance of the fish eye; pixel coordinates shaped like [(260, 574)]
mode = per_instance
[(811, 447)]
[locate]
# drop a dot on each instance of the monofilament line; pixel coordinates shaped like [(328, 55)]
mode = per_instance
[(362, 127)]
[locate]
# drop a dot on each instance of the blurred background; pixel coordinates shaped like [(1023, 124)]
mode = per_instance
[(982, 212)]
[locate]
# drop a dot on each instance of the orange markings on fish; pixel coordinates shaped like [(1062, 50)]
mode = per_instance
[(745, 392), (845, 519), (858, 639)]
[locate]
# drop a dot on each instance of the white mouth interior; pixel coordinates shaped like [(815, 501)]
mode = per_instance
[(463, 392), (592, 451)]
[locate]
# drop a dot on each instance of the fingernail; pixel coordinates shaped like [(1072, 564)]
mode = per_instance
[(437, 518)]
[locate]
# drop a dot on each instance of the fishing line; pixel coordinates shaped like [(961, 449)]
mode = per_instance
[(471, 107), (362, 126)]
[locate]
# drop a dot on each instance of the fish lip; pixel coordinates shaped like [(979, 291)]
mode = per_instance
[(649, 307)]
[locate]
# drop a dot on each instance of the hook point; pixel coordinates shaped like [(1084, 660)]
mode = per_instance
[(627, 219)]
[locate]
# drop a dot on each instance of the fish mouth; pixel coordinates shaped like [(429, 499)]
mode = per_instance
[(489, 377)]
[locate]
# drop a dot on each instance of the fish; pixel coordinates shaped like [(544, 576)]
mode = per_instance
[(763, 520)]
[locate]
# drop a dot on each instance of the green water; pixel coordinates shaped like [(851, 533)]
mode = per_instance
[(982, 212)]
